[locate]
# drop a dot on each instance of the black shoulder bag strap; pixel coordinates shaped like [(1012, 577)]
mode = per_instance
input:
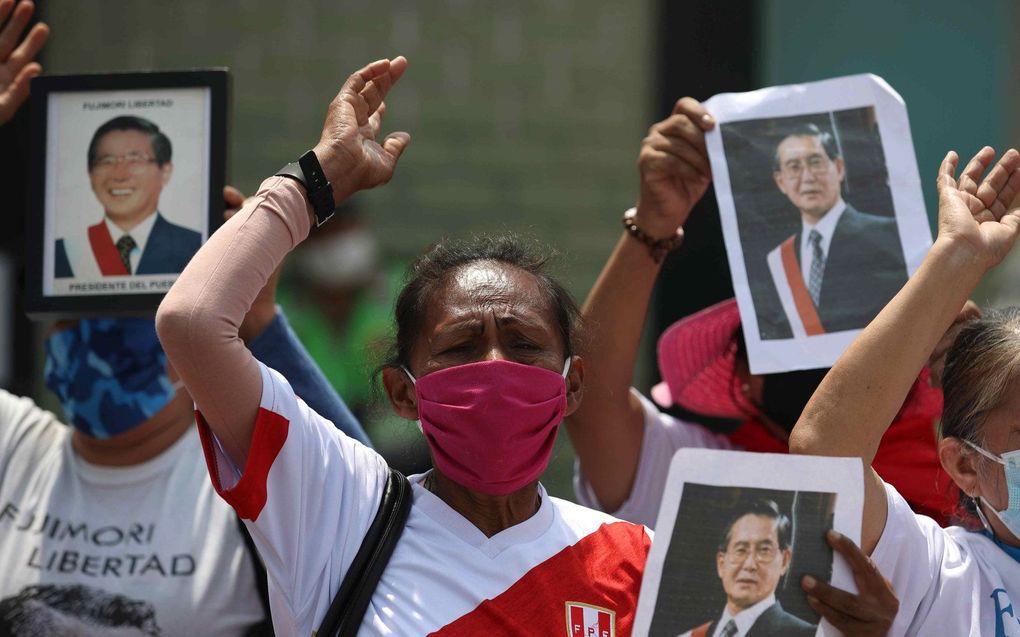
[(265, 627), (348, 607)]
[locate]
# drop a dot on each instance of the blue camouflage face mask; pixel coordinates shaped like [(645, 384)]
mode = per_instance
[(109, 374)]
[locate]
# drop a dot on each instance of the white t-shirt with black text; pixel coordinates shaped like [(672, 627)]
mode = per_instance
[(140, 550)]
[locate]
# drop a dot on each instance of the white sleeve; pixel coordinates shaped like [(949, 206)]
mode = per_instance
[(663, 436), (308, 494), (910, 554)]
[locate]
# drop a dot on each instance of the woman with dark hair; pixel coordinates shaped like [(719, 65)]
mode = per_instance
[(485, 361), (950, 581)]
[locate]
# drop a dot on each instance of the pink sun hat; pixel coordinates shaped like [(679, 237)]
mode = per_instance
[(697, 360)]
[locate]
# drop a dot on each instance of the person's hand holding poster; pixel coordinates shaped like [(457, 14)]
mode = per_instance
[(736, 535), (822, 213)]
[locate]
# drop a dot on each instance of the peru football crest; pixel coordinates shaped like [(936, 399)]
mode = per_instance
[(585, 620)]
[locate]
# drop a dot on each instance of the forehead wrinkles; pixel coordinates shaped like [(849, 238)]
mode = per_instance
[(496, 287)]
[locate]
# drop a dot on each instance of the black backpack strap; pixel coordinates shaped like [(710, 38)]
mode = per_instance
[(265, 627), (348, 607)]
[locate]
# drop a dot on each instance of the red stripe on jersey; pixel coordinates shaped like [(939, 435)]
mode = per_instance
[(248, 496), (603, 569)]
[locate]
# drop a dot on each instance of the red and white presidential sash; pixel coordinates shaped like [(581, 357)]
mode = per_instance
[(794, 297)]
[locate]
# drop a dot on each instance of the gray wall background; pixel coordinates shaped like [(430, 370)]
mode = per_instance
[(523, 115)]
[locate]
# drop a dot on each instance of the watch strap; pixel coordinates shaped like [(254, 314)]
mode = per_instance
[(308, 173)]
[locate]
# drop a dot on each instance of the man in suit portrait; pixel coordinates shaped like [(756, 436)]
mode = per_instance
[(754, 554), (129, 164), (842, 265)]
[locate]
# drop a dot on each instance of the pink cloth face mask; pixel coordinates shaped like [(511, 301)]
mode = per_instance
[(491, 425)]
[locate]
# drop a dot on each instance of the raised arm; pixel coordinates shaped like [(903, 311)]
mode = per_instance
[(266, 332), (606, 429), (860, 396), (199, 319)]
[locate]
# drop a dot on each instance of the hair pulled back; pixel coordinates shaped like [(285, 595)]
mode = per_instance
[(433, 269)]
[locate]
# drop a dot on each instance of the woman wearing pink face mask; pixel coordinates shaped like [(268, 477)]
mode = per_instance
[(484, 360)]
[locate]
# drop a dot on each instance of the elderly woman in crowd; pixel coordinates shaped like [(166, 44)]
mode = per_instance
[(950, 581), (485, 361)]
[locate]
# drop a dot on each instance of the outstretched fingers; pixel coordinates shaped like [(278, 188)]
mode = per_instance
[(377, 88), (354, 88), (6, 6), (13, 27), (947, 171), (975, 168), (15, 93), (367, 87), (996, 192), (30, 47)]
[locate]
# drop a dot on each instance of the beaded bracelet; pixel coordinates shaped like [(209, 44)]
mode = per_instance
[(657, 248)]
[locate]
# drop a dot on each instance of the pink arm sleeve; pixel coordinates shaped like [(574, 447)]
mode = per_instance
[(198, 321)]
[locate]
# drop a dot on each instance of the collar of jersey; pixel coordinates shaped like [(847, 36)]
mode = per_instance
[(459, 526)]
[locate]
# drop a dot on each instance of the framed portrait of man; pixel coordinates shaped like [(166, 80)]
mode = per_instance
[(127, 178), (822, 213), (736, 534)]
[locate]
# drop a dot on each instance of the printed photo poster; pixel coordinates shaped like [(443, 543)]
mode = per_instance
[(822, 213), (126, 188), (739, 530)]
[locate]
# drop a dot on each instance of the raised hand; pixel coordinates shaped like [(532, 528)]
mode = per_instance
[(16, 65), (350, 156), (675, 171), (976, 213), (868, 613)]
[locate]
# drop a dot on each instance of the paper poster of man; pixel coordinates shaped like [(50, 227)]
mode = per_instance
[(130, 162), (735, 560), (820, 240)]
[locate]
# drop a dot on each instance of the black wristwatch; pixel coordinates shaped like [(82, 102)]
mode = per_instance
[(308, 173)]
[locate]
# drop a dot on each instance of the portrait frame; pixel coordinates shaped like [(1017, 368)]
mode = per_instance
[(68, 272), (787, 327), (709, 489)]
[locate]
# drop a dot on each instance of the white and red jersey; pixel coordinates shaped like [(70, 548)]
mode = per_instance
[(309, 493)]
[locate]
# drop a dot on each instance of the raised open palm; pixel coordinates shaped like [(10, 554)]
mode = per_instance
[(352, 158), (16, 66), (978, 211)]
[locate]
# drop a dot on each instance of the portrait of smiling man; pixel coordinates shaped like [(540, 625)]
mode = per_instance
[(842, 265), (754, 554), (129, 164)]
